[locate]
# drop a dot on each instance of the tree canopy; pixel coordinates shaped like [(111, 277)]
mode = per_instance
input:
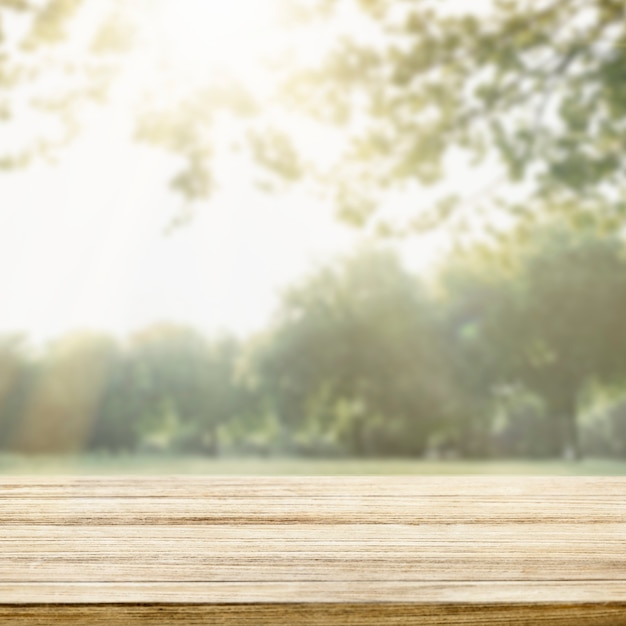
[(531, 91), (355, 349), (363, 358), (551, 323)]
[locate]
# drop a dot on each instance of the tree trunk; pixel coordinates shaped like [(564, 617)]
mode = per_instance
[(358, 436), (571, 448), (565, 411), (213, 440)]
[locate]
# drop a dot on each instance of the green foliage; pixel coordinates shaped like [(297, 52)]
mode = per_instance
[(16, 379), (53, 69), (185, 376), (515, 349), (552, 323), (64, 394), (50, 23), (354, 347), (537, 87)]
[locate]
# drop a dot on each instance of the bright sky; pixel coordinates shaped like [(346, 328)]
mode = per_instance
[(82, 243)]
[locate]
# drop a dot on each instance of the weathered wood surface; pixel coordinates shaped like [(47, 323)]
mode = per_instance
[(320, 550)]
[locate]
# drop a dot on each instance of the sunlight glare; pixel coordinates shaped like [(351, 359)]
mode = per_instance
[(200, 35)]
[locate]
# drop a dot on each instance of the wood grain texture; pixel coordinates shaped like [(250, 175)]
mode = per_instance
[(320, 550)]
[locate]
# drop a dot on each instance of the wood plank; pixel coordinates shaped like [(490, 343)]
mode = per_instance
[(316, 614), (319, 550), (234, 487), (88, 511), (374, 591), (312, 553)]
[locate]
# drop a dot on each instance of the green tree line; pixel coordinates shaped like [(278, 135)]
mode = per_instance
[(509, 350)]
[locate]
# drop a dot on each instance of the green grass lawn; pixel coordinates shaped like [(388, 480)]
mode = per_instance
[(147, 464)]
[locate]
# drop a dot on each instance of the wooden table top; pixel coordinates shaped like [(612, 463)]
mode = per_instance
[(312, 550)]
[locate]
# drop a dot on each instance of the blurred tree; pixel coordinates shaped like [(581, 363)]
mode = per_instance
[(473, 297), (54, 64), (354, 346), (117, 423), (534, 89), (535, 86), (180, 373), (17, 371), (522, 427), (572, 291), (603, 434), (225, 398), (551, 322), (64, 399)]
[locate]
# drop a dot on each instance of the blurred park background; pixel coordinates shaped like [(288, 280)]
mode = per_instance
[(313, 236)]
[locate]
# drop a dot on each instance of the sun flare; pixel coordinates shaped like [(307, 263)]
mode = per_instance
[(199, 36)]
